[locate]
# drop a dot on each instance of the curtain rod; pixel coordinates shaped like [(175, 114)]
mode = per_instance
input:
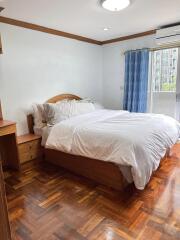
[(134, 50), (155, 49), (164, 47)]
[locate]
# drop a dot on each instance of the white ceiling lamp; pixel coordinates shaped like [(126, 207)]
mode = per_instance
[(115, 5), (106, 29)]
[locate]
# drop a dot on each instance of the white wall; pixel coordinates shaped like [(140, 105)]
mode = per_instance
[(35, 66), (113, 76)]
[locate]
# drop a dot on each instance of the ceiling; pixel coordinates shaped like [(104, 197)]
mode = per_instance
[(87, 18)]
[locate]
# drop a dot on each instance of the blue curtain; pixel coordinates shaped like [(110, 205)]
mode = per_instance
[(136, 80)]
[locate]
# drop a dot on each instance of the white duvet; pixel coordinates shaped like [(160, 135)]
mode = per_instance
[(133, 141)]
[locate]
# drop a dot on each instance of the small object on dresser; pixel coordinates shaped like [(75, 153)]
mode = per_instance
[(29, 147)]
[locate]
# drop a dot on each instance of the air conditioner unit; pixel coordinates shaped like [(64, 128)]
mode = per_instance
[(168, 36)]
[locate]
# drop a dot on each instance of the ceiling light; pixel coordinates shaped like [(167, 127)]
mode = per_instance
[(115, 5), (105, 29)]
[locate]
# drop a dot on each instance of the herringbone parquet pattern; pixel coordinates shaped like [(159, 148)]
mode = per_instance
[(48, 203)]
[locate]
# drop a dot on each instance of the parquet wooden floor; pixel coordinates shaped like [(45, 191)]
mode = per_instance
[(48, 203)]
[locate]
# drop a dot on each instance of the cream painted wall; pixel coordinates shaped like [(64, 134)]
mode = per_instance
[(35, 66)]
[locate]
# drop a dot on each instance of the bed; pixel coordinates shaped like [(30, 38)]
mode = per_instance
[(134, 136)]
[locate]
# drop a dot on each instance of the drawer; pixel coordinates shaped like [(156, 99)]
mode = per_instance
[(29, 151), (27, 156), (28, 146), (8, 130)]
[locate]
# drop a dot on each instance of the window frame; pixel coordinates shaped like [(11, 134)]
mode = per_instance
[(152, 77)]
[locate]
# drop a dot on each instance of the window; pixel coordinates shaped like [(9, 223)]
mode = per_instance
[(164, 73)]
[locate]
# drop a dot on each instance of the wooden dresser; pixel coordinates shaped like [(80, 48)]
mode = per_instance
[(29, 147), (8, 144), (5, 232)]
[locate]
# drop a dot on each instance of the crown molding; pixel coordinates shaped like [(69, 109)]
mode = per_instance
[(39, 28), (142, 34)]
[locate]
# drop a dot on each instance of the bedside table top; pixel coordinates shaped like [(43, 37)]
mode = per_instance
[(6, 123), (27, 138)]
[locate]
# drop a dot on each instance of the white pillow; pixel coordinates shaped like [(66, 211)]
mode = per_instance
[(80, 107), (63, 110), (56, 112), (38, 114), (96, 104)]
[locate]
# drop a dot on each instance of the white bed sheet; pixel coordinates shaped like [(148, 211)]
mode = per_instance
[(134, 140), (45, 134)]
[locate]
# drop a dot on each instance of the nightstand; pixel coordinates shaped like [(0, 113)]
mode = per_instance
[(29, 147), (8, 145)]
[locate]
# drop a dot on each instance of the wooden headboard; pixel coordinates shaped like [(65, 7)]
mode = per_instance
[(55, 99)]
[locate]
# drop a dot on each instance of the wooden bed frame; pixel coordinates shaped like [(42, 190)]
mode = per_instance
[(105, 173)]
